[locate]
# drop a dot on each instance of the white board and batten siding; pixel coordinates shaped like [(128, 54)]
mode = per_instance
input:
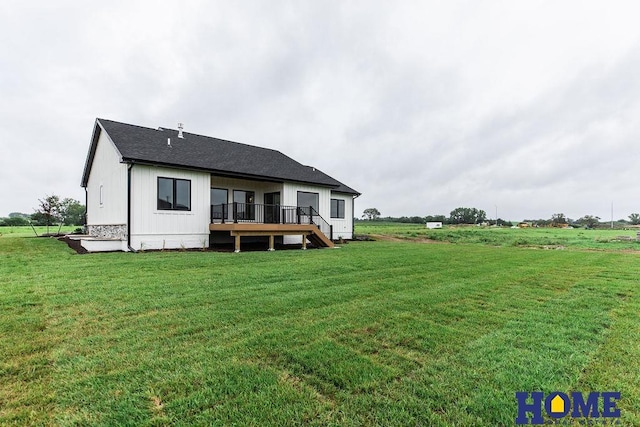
[(290, 198), (343, 227), (258, 187), (152, 228), (107, 186)]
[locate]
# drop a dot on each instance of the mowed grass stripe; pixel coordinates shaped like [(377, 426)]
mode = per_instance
[(372, 333)]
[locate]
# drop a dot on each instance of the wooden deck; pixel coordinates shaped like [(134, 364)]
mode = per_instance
[(306, 231)]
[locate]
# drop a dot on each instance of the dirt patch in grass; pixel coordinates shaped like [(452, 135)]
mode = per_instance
[(157, 404)]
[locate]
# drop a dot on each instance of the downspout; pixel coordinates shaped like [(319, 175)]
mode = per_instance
[(86, 211), (129, 208), (353, 216)]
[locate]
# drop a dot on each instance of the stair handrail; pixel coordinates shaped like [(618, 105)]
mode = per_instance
[(322, 224)]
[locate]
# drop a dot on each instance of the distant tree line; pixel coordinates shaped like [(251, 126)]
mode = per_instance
[(587, 221), (51, 211), (457, 216), (464, 215)]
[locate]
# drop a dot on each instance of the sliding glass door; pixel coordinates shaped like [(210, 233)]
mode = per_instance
[(246, 208), (272, 208), (219, 196)]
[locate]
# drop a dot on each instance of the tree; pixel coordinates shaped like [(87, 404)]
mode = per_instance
[(501, 222), (558, 220), (14, 221), (467, 216), (371, 214), (72, 212), (48, 211), (634, 218), (19, 215), (435, 218), (589, 221)]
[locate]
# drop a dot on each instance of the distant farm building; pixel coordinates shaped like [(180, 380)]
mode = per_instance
[(432, 225)]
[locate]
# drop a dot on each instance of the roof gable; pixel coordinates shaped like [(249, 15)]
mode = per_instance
[(95, 138), (139, 144)]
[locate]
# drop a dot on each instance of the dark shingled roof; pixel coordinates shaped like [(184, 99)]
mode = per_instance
[(139, 144)]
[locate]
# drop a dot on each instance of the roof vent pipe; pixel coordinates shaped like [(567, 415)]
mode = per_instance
[(169, 142), (180, 127)]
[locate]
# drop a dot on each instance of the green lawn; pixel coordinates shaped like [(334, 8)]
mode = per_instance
[(598, 239), (373, 333), (26, 231)]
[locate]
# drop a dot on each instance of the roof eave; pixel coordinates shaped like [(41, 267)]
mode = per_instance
[(349, 191), (229, 174), (97, 128)]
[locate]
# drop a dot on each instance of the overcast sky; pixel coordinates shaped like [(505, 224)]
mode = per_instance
[(531, 108)]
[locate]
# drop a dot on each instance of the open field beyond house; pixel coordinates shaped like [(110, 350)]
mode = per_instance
[(372, 333), (545, 238)]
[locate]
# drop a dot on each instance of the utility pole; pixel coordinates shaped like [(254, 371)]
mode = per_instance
[(612, 215)]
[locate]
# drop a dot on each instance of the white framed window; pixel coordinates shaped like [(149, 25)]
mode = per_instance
[(308, 200), (337, 208), (174, 194)]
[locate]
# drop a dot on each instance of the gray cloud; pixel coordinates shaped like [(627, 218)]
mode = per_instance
[(422, 106)]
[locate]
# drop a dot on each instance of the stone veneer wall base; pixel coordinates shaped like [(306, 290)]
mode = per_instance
[(108, 231)]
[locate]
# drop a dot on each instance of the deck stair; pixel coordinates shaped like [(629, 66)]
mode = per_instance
[(318, 238)]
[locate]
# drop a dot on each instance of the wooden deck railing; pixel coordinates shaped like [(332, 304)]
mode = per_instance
[(269, 214)]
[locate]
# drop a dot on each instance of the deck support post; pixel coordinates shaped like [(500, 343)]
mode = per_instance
[(237, 243), (304, 242), (271, 241)]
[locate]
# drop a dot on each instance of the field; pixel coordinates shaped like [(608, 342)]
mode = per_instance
[(391, 332), (549, 238)]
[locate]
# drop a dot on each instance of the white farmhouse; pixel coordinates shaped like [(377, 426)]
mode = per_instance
[(162, 188)]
